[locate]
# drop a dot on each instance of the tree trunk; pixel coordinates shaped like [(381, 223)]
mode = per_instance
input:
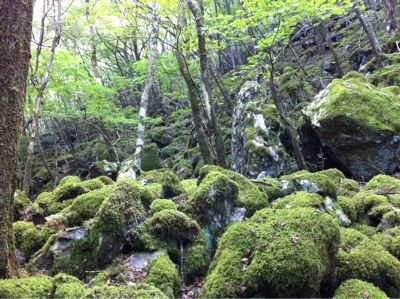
[(15, 39), (93, 56), (144, 101), (228, 98), (196, 112), (392, 12), (294, 136), (39, 102), (198, 14), (335, 55), (373, 41)]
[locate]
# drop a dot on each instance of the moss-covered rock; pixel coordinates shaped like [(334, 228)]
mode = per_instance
[(361, 258), (162, 204), (68, 287), (150, 158), (27, 237), (365, 202), (285, 253), (171, 184), (383, 184), (68, 189), (141, 290), (183, 169), (29, 287), (358, 123), (103, 168), (270, 186), (92, 184), (250, 197), (348, 207), (189, 185), (299, 200), (21, 203), (163, 274), (355, 288), (390, 240)]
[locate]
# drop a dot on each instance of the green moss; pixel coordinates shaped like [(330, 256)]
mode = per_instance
[(361, 103), (92, 184), (361, 258), (170, 150), (285, 253), (364, 202), (29, 287), (27, 237), (106, 180), (67, 191), (348, 187), (150, 159), (348, 207), (21, 203), (299, 200), (49, 205), (355, 288), (383, 183), (250, 197), (387, 76), (162, 204), (196, 259), (318, 182), (141, 290), (365, 229), (163, 274), (189, 185), (66, 286), (271, 187), (171, 184), (183, 168)]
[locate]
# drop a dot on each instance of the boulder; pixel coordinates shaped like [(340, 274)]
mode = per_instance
[(358, 125), (103, 168)]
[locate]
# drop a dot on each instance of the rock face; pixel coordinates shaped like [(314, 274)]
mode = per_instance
[(358, 124), (256, 147)]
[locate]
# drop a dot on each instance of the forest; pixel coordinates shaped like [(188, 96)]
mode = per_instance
[(200, 149)]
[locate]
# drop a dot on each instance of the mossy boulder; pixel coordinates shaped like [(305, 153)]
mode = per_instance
[(68, 189), (68, 287), (355, 288), (189, 185), (358, 123), (150, 158), (366, 204), (28, 287), (361, 258), (162, 204), (250, 196), (183, 169), (171, 185), (103, 168), (161, 136), (276, 253), (390, 240), (21, 203), (140, 290), (163, 274), (28, 238), (383, 184)]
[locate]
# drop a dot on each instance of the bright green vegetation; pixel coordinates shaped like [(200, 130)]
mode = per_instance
[(355, 288)]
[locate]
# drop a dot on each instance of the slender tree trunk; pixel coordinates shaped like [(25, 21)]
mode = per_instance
[(144, 101), (335, 55), (39, 102), (373, 41), (294, 136), (297, 58), (228, 99), (195, 107), (15, 39), (392, 12), (198, 13), (93, 57)]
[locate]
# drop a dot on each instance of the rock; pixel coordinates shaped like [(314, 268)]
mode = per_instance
[(62, 244), (328, 67), (150, 158), (127, 170), (171, 185), (103, 168), (358, 124), (139, 261), (355, 288), (21, 203), (161, 136)]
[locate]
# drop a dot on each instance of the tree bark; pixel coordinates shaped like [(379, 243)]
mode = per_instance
[(144, 101), (198, 13), (392, 12), (327, 37), (39, 102), (15, 39), (373, 41)]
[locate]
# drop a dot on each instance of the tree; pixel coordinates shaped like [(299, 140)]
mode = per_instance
[(144, 101), (392, 11), (15, 39), (40, 93)]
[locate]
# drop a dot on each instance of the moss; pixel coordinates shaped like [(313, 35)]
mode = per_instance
[(162, 204), (285, 253), (365, 229), (334, 174), (355, 288), (21, 203), (361, 103), (68, 191), (364, 202), (189, 185), (171, 184), (389, 219), (271, 187), (317, 182), (361, 258), (183, 168), (150, 159), (66, 286), (387, 76), (27, 237), (250, 197), (163, 274), (92, 184), (48, 203), (299, 200), (383, 183), (29, 287), (348, 187), (85, 206), (68, 180), (170, 150), (141, 290), (348, 207), (106, 180), (196, 259)]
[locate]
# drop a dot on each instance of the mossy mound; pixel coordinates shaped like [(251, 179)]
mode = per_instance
[(250, 197), (163, 274), (362, 258), (150, 158), (68, 287), (383, 184), (162, 204), (299, 200), (27, 237), (390, 240), (189, 185), (365, 203), (29, 287), (270, 186), (355, 288), (140, 290), (21, 203), (171, 185), (285, 253)]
